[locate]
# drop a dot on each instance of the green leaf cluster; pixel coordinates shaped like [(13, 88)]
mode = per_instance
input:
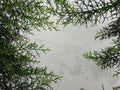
[(87, 11), (96, 11), (17, 54)]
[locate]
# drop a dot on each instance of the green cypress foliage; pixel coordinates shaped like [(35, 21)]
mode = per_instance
[(17, 70), (95, 11)]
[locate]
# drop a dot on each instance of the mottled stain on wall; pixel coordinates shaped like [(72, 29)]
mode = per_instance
[(65, 58)]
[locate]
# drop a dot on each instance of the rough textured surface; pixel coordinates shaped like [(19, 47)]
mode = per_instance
[(65, 58)]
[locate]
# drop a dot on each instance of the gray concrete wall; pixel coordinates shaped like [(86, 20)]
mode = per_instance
[(65, 58)]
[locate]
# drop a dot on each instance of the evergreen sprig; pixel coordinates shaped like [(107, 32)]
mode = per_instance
[(17, 54), (85, 11)]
